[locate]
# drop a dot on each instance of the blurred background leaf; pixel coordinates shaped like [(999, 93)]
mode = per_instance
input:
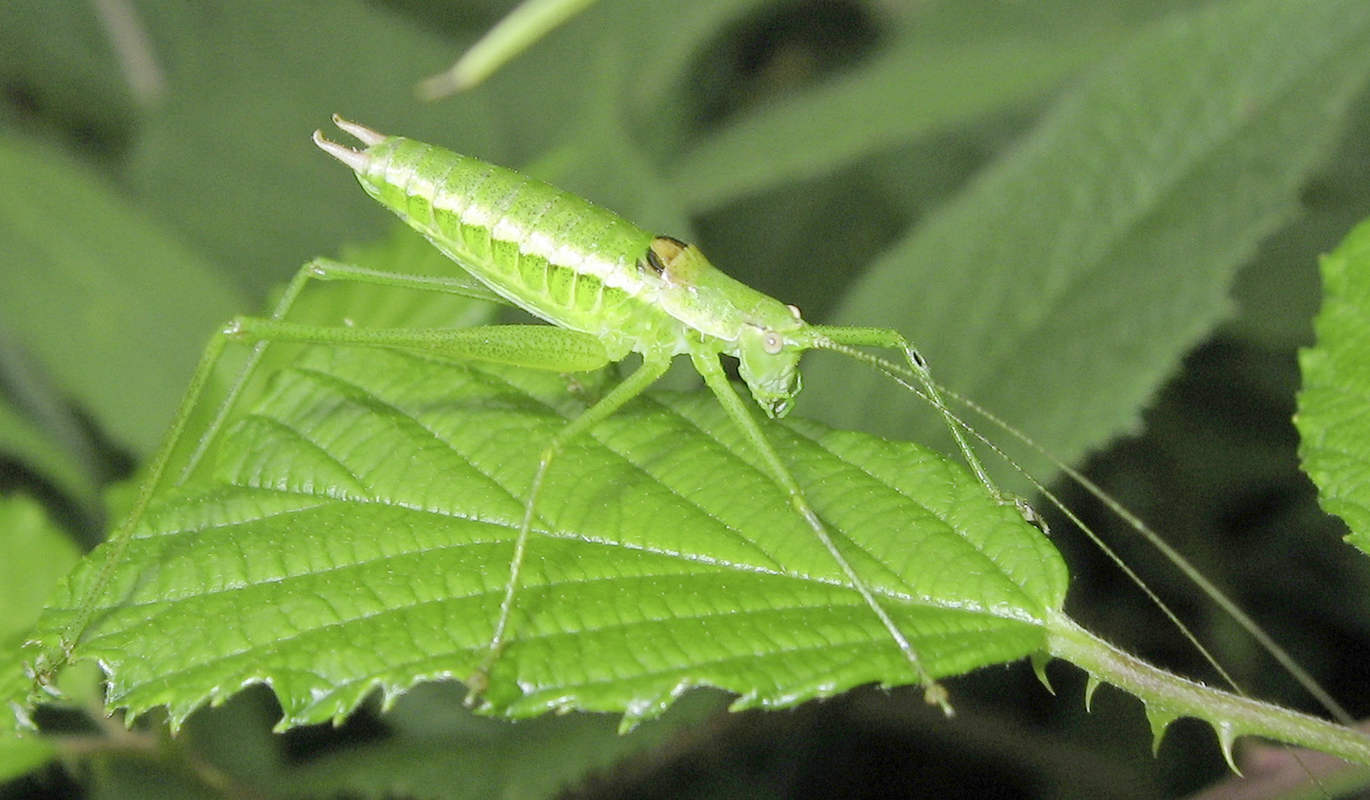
[(800, 142), (1060, 288)]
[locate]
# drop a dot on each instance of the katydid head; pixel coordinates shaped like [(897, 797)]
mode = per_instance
[(755, 327), (770, 368)]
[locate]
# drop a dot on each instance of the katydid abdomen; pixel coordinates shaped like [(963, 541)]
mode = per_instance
[(579, 266), (547, 251)]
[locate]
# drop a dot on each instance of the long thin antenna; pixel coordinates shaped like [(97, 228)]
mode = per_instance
[(1191, 572), (906, 378)]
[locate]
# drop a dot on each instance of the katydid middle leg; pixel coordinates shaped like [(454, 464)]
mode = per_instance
[(653, 367)]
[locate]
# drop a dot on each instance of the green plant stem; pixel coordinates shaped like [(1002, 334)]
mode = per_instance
[(1168, 697)]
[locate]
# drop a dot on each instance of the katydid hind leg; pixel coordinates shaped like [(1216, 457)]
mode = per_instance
[(651, 370), (708, 366)]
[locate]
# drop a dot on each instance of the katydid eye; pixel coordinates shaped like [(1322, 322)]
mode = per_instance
[(772, 342)]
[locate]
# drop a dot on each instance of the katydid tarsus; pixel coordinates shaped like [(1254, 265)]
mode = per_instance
[(610, 289)]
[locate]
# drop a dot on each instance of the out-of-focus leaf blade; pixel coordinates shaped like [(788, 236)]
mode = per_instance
[(1334, 404), (61, 56), (21, 439), (1063, 284), (37, 555), (106, 300), (227, 158)]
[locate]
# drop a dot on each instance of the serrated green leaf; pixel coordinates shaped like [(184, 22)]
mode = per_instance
[(1062, 286), (360, 524), (78, 272), (1333, 418)]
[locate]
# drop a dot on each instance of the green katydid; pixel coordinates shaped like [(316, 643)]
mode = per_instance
[(609, 288)]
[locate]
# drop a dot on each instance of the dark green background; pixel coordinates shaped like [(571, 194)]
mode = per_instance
[(799, 143)]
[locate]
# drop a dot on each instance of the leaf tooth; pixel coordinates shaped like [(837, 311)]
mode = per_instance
[(177, 713), (1160, 719), (1227, 737), (645, 708), (747, 701), (178, 710), (1090, 686), (628, 723), (1039, 668), (391, 692)]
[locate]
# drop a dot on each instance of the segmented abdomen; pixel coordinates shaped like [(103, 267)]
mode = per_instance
[(552, 253)]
